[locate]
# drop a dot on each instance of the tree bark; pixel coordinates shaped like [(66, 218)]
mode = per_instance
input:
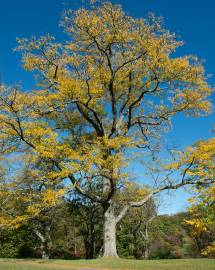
[(110, 233), (45, 253), (44, 245), (146, 252)]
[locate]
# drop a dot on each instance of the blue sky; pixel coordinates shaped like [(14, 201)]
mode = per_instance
[(192, 20)]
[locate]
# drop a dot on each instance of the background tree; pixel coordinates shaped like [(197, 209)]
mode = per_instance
[(88, 220), (202, 157), (27, 198), (106, 93), (133, 235)]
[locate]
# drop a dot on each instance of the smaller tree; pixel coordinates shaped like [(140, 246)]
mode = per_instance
[(88, 220), (27, 199), (202, 219), (202, 211), (133, 236)]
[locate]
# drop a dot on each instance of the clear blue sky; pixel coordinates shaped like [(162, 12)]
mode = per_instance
[(192, 20)]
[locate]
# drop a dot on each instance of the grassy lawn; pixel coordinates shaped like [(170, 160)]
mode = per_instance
[(188, 264)]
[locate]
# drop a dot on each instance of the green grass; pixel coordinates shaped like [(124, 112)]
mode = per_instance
[(183, 264)]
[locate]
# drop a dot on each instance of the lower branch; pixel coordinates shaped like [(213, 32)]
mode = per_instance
[(156, 191)]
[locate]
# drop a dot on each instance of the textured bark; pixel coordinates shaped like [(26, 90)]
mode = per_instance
[(110, 233)]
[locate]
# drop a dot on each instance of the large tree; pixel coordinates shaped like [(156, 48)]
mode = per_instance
[(105, 94)]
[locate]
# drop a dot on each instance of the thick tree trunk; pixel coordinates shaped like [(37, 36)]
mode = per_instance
[(109, 233)]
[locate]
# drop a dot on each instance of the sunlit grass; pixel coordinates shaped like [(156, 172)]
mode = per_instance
[(183, 264)]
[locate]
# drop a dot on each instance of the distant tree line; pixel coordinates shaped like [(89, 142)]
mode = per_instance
[(142, 234)]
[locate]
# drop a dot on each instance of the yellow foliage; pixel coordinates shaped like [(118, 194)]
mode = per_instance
[(209, 251), (51, 197)]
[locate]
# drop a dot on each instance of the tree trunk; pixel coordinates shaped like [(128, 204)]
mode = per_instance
[(89, 247), (45, 254), (146, 252), (44, 245), (109, 233)]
